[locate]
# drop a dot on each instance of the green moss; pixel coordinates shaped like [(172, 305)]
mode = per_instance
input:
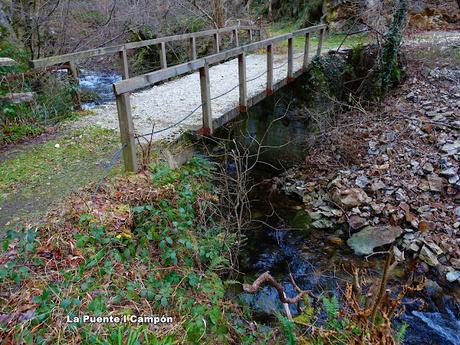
[(43, 173)]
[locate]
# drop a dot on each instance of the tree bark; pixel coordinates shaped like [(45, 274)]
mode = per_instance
[(270, 10)]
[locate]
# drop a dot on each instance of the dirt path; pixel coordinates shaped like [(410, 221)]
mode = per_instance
[(35, 176)]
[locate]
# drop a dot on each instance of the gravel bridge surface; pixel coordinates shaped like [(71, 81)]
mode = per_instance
[(166, 104)]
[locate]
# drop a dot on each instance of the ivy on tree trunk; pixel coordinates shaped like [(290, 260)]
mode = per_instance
[(389, 70)]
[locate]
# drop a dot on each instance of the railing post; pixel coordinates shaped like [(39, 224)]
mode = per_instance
[(290, 73), (163, 62), (127, 132), (269, 69), (124, 64), (216, 42), (250, 35), (206, 99), (306, 52), (320, 42), (243, 83), (73, 79), (235, 36), (192, 48)]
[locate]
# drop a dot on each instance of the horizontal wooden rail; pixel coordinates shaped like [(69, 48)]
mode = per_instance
[(121, 50), (149, 79), (181, 37), (4, 61), (123, 88), (56, 60)]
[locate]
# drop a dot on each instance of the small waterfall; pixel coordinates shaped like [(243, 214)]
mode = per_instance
[(445, 325), (99, 84)]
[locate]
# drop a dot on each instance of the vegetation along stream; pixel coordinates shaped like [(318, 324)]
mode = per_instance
[(281, 238)]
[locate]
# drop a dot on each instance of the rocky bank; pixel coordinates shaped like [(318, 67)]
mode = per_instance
[(390, 175)]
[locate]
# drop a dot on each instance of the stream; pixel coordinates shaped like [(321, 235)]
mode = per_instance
[(282, 241), (97, 86)]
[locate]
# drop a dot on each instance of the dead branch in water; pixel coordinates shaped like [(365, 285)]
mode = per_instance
[(268, 278)]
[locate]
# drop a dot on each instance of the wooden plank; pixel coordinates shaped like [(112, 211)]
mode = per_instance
[(242, 80), (206, 99), (163, 60), (5, 61), (290, 69), (60, 59), (17, 98), (124, 65), (216, 43), (306, 51), (154, 41), (192, 48), (225, 55), (73, 80), (269, 69), (149, 79), (320, 42), (235, 37), (310, 29), (127, 132)]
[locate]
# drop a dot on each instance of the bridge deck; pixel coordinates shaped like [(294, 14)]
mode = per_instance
[(166, 104)]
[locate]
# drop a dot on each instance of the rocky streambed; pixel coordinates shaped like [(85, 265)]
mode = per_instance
[(380, 179), (288, 243)]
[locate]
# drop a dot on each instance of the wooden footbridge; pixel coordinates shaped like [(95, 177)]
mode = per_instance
[(210, 121)]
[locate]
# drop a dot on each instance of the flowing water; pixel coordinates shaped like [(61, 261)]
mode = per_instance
[(283, 242), (97, 84)]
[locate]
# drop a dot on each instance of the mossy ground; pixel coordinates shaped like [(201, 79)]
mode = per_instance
[(42, 173), (332, 40)]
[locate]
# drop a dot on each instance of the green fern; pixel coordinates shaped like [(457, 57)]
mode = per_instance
[(401, 333), (331, 306), (287, 328)]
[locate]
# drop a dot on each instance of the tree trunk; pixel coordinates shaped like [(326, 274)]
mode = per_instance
[(218, 12), (270, 10)]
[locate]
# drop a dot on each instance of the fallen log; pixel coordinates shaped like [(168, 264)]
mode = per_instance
[(17, 98), (4, 61)]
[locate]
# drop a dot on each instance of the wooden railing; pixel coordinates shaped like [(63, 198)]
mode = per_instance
[(14, 97), (69, 61), (123, 88)]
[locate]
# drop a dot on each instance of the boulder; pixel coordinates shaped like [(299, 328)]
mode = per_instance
[(435, 182), (351, 197), (428, 256), (452, 149), (364, 241), (357, 222), (453, 276)]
